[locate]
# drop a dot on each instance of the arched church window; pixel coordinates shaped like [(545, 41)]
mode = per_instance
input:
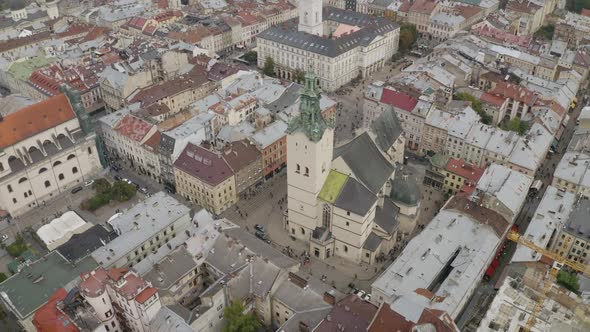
[(326, 216)]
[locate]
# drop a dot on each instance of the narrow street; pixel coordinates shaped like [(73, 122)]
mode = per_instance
[(545, 174)]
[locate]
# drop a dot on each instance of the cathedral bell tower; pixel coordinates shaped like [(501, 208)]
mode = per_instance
[(310, 142), (310, 17)]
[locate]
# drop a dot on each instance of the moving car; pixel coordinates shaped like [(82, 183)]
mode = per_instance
[(77, 189)]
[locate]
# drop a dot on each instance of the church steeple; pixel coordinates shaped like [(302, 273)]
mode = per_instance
[(310, 119)]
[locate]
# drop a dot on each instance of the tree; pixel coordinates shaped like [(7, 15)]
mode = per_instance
[(101, 186), (476, 105), (517, 125), (269, 67), (299, 76), (2, 277), (407, 36), (251, 57), (546, 32), (237, 321), (123, 191), (568, 280)]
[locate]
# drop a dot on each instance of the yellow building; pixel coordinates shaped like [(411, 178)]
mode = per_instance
[(204, 177)]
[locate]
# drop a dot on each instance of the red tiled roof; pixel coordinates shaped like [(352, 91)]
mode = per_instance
[(35, 119), (203, 164), (145, 295), (132, 286), (49, 318), (514, 91), (241, 154), (93, 283), (133, 128), (20, 42), (352, 312), (423, 6), (398, 99), (467, 171), (137, 22), (491, 99), (388, 320), (153, 143)]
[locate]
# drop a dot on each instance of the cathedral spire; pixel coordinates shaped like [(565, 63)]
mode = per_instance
[(310, 119)]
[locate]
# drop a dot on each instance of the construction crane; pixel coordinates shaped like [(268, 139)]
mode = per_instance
[(514, 236)]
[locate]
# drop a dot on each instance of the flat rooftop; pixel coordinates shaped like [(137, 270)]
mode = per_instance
[(447, 259), (551, 214), (28, 290), (139, 224)]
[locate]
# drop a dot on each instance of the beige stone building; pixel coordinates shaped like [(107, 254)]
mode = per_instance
[(43, 152), (572, 240), (204, 177)]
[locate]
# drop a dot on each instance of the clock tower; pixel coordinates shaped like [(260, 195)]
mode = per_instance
[(310, 142)]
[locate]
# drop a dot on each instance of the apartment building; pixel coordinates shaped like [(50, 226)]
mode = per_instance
[(272, 142), (420, 14), (204, 177), (143, 229), (44, 151), (572, 240), (460, 176), (122, 300)]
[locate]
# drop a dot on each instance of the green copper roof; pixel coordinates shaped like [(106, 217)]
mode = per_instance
[(22, 70), (310, 120), (331, 189)]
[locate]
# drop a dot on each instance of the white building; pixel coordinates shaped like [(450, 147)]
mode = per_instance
[(337, 202), (551, 215), (121, 299), (43, 152), (143, 229), (61, 229), (344, 46), (454, 245)]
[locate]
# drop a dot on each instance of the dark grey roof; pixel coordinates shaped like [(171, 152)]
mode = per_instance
[(287, 99), (405, 189), (83, 244), (371, 27), (386, 216), (355, 197), (17, 4), (386, 129), (366, 162), (578, 223), (372, 242)]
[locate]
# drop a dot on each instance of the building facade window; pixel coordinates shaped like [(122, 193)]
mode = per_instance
[(326, 216), (47, 184), (74, 170)]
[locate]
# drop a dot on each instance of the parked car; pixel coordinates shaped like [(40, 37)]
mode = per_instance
[(260, 235), (259, 227), (3, 237), (144, 191), (77, 189), (88, 183), (367, 297), (118, 178), (115, 168)]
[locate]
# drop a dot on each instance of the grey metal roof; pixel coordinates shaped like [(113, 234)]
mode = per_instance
[(32, 287), (168, 320), (387, 129), (371, 27), (405, 188), (355, 197), (578, 223), (170, 269), (366, 162), (288, 98), (372, 242), (386, 216)]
